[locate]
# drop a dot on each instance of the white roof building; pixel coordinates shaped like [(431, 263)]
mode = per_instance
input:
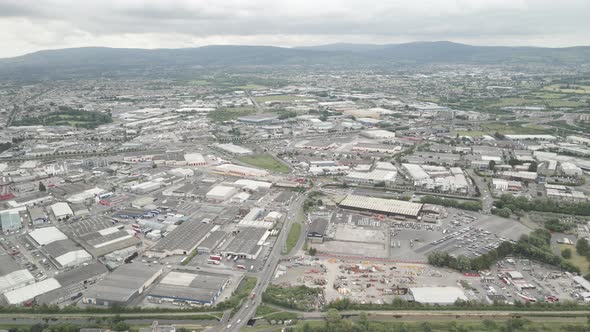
[(221, 193), (84, 195), (47, 235), (29, 292), (73, 258), (194, 159), (382, 205), (233, 149), (61, 210), (437, 295), (252, 184), (238, 170), (378, 134)]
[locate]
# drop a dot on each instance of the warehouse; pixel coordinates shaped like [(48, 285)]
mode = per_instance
[(31, 291), (247, 243), (183, 240), (378, 134), (233, 149), (317, 230), (66, 253), (437, 295), (237, 170), (73, 282), (145, 187), (62, 211), (43, 236), (221, 193), (123, 285), (252, 185), (210, 243), (81, 197), (11, 275), (190, 287), (194, 159), (372, 178), (107, 240), (38, 215), (381, 205)]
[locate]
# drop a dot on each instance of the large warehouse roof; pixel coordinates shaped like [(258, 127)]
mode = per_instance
[(26, 293), (120, 285), (61, 209), (188, 286), (437, 295), (47, 235), (382, 205), (185, 238)]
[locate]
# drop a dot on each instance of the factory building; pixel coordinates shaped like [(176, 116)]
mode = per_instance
[(190, 287), (221, 193), (38, 215), (317, 230), (183, 240), (381, 205), (247, 243), (233, 149), (237, 170), (13, 276), (61, 211), (195, 159), (437, 295), (123, 285), (29, 292), (372, 178), (59, 248)]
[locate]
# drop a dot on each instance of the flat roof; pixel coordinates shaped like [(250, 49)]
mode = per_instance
[(120, 285), (189, 286), (26, 293), (246, 242), (440, 295), (47, 235), (393, 206), (184, 237)]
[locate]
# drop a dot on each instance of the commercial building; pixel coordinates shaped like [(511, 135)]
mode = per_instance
[(62, 210), (378, 134), (247, 243), (190, 287), (13, 276), (233, 149), (221, 193), (38, 215), (194, 159), (29, 292), (371, 178), (437, 295), (183, 240), (381, 205), (317, 230), (237, 170), (122, 285), (60, 249)]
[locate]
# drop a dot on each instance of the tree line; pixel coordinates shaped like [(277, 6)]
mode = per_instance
[(542, 205)]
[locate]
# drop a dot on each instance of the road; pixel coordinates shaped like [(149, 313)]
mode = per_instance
[(486, 196), (248, 308)]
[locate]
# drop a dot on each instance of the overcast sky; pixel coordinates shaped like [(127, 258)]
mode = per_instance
[(31, 25)]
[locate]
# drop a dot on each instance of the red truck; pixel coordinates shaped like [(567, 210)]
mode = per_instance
[(215, 257)]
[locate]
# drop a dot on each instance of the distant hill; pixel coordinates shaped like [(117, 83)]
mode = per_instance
[(92, 61)]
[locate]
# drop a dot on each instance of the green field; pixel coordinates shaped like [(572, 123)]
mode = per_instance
[(228, 114), (577, 260), (266, 161), (292, 238), (505, 128), (277, 98)]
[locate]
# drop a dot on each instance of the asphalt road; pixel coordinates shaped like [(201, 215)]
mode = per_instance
[(248, 309)]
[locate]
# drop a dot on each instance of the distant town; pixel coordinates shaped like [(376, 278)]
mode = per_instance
[(271, 199)]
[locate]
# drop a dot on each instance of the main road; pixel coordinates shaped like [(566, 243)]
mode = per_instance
[(248, 308)]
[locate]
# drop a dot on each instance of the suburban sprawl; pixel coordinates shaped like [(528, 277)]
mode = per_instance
[(298, 200)]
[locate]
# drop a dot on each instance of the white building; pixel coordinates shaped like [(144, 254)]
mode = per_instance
[(61, 210), (194, 159), (238, 170), (233, 149), (221, 193)]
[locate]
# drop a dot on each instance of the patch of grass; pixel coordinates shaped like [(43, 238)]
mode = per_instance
[(250, 87), (292, 237), (228, 114), (266, 161), (568, 88), (578, 260)]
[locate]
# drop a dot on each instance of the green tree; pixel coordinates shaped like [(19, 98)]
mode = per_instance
[(492, 165), (566, 253), (42, 187)]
